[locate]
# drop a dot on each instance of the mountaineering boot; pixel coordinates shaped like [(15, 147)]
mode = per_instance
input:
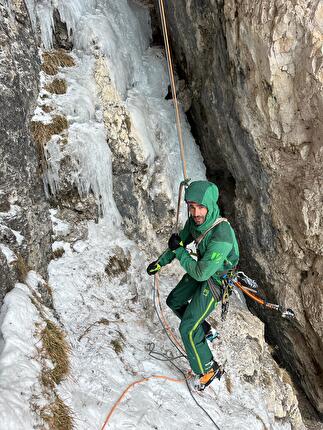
[(202, 381), (211, 335)]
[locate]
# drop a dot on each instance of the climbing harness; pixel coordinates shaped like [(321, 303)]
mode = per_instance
[(224, 291)]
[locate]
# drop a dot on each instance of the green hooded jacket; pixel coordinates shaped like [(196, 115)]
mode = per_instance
[(218, 252)]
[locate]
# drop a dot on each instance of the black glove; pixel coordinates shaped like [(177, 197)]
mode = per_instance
[(153, 268), (175, 242)]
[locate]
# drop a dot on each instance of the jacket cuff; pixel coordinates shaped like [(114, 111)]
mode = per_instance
[(179, 252)]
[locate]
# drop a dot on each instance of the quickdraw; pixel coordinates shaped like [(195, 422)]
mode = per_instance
[(249, 287), (227, 288)]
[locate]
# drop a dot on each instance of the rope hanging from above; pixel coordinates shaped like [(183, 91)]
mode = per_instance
[(173, 87)]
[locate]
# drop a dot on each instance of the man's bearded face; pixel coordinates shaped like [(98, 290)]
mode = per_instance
[(198, 212)]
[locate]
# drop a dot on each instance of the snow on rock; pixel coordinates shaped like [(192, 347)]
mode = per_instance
[(59, 227), (19, 368), (8, 253), (112, 94), (103, 297)]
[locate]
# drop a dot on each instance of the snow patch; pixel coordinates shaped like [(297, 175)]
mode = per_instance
[(59, 227), (10, 255), (19, 237), (19, 369)]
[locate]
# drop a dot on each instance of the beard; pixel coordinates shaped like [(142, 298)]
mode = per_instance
[(199, 220)]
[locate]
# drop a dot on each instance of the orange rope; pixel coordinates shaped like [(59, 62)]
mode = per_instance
[(172, 82), (169, 331), (167, 326), (132, 385)]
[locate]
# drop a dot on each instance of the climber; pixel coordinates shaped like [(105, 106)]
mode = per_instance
[(192, 300)]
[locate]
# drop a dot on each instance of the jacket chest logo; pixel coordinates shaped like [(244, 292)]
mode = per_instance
[(216, 256)]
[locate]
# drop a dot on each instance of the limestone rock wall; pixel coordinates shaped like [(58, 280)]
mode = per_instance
[(254, 70), (24, 224)]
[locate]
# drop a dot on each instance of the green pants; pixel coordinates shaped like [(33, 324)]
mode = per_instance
[(192, 315)]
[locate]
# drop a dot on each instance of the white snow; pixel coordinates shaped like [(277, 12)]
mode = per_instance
[(19, 236), (12, 212), (8, 253), (59, 227), (99, 308), (19, 369)]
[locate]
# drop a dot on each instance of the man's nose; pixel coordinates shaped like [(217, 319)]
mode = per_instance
[(195, 211)]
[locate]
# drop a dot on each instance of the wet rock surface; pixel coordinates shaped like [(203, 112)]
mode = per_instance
[(254, 71), (24, 223)]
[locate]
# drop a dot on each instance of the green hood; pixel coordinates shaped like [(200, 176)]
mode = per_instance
[(204, 193)]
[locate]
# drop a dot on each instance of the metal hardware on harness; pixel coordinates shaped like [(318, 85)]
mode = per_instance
[(215, 289), (227, 286), (247, 282), (288, 313), (222, 292)]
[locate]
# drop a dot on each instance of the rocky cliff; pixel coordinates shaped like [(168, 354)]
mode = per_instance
[(24, 224), (255, 76), (254, 111)]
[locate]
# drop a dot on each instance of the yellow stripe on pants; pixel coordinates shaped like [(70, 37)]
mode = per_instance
[(194, 328)]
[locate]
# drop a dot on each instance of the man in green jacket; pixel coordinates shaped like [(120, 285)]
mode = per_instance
[(192, 300)]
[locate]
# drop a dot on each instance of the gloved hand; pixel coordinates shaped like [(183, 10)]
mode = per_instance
[(175, 242), (153, 268)]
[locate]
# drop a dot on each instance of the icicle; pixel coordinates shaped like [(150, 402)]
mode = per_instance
[(46, 22), (30, 4), (88, 146), (70, 11), (53, 156)]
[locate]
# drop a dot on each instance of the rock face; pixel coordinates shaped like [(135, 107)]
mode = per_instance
[(251, 367), (254, 71), (22, 201), (132, 178)]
